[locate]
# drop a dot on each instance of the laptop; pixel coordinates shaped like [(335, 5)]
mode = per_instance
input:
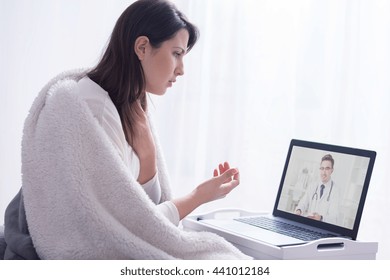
[(304, 210)]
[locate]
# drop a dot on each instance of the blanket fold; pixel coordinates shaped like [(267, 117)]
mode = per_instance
[(17, 240), (82, 203), (3, 245)]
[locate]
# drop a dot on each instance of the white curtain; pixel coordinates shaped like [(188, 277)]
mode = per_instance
[(263, 72)]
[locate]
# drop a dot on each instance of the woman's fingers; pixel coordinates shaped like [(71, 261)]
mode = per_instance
[(218, 186), (236, 176), (222, 167), (230, 183), (227, 174)]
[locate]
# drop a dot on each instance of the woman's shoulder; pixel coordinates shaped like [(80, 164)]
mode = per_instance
[(104, 110), (97, 99), (90, 91)]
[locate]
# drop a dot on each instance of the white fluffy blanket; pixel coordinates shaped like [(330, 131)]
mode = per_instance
[(82, 203)]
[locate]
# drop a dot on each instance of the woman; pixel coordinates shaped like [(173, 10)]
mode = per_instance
[(147, 58), (95, 184)]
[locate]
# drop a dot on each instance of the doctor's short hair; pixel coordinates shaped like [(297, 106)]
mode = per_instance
[(328, 157)]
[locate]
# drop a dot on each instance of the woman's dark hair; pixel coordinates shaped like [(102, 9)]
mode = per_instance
[(119, 71)]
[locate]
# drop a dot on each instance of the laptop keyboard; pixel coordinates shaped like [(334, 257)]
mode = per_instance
[(284, 228)]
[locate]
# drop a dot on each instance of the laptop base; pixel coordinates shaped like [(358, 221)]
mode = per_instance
[(326, 248)]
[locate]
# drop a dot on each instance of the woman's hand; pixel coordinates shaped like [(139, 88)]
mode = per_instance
[(224, 181)]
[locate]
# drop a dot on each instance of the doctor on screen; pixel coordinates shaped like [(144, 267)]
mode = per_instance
[(321, 200)]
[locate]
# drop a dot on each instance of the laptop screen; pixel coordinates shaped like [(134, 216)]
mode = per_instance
[(325, 186)]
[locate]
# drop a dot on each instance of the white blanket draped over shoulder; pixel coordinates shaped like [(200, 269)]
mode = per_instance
[(82, 203)]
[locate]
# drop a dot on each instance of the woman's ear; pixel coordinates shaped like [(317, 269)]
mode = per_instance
[(140, 46)]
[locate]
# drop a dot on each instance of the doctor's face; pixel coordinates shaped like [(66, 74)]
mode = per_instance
[(326, 170)]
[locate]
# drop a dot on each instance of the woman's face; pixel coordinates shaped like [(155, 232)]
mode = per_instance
[(162, 65)]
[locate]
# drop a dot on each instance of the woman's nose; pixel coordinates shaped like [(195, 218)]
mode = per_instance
[(179, 71)]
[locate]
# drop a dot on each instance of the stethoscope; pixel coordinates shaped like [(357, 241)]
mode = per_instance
[(315, 195)]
